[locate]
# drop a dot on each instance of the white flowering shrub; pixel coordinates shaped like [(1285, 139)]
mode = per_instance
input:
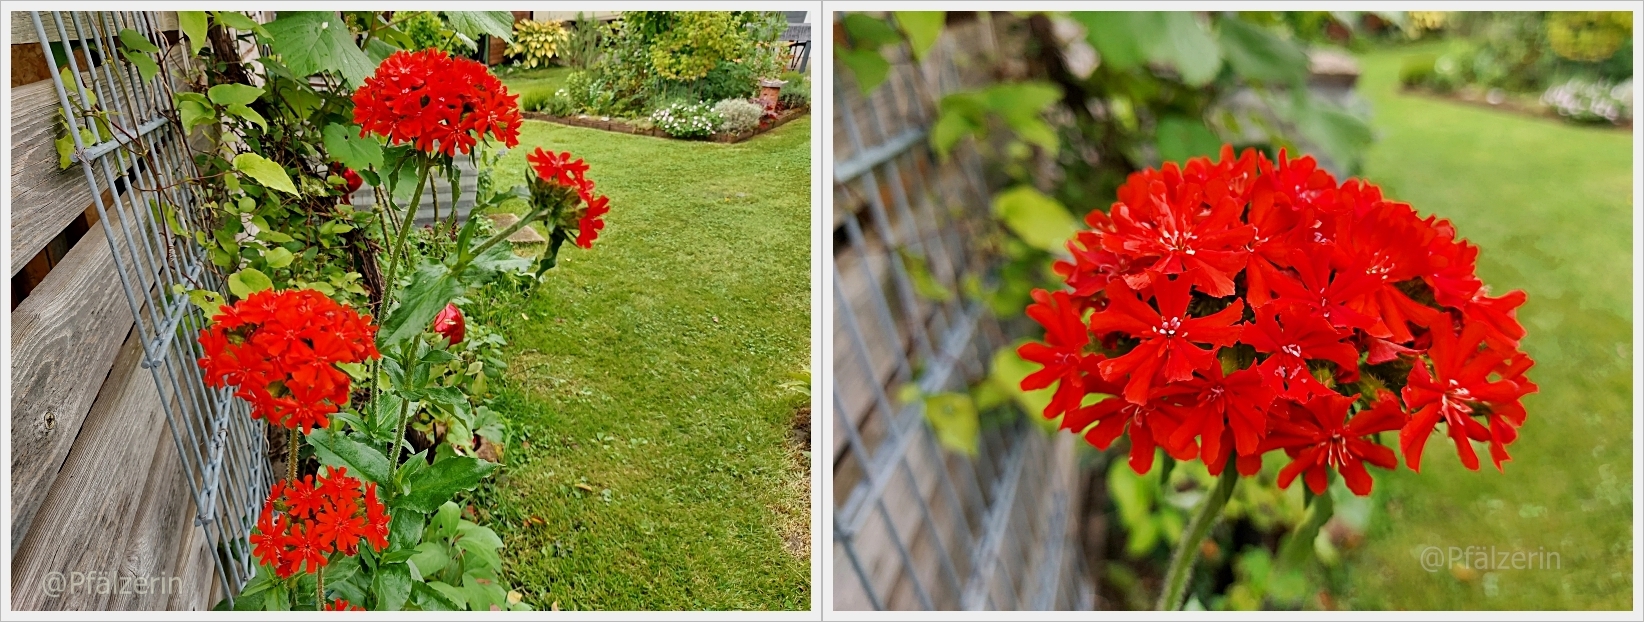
[(1591, 101), (682, 120), (740, 115)]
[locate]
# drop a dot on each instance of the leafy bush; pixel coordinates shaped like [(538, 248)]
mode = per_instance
[(582, 41), (559, 104), (727, 80), (739, 115), (682, 120), (797, 91), (1591, 101), (534, 101), (428, 31), (1588, 36), (536, 43)]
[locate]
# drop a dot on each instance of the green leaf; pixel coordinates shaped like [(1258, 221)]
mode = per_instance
[(345, 145), (483, 593), (341, 451), (443, 480), (924, 283), (1007, 373), (310, 42), (405, 529), (1181, 138), (237, 20), (432, 286), (1119, 35), (208, 301), (248, 281), (922, 28), (475, 23), (193, 25), (953, 418), (1255, 53), (430, 597), (244, 112), (477, 535), (429, 558), (868, 32), (65, 151), (392, 586), (194, 110), (454, 596), (868, 66), (265, 171), (1188, 46), (1338, 134), (277, 257), (136, 42), (948, 130), (1038, 219), (445, 521), (146, 67), (230, 94)]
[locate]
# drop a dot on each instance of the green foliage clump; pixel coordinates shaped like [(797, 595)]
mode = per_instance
[(427, 31), (683, 120), (536, 43), (739, 115)]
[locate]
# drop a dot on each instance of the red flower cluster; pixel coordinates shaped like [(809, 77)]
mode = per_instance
[(439, 103), (343, 605), (560, 170), (1244, 306), (279, 349), (315, 519)]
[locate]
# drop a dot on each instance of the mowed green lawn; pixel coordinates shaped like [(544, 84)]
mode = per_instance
[(544, 80), (656, 469), (1551, 207)]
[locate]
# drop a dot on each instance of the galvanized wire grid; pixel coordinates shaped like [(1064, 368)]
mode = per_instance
[(921, 527), (143, 164)]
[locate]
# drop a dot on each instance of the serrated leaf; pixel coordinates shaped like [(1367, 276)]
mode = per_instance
[(265, 171), (277, 257), (922, 28), (499, 24), (208, 301), (248, 281), (310, 42), (193, 25), (1038, 219), (230, 94), (342, 451), (345, 145), (135, 41)]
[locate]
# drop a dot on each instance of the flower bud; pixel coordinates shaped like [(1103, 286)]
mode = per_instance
[(449, 323)]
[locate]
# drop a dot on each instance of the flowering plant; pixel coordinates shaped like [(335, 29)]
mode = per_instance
[(359, 520), (683, 120), (1222, 310)]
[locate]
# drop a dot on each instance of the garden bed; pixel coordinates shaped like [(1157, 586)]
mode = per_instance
[(625, 126), (1514, 103)]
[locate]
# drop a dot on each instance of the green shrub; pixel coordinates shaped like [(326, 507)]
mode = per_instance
[(739, 115), (1417, 71), (682, 120), (428, 31), (797, 91), (559, 104), (536, 43), (534, 100)]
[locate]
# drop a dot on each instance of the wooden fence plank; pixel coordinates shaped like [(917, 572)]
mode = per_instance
[(64, 338), (94, 498)]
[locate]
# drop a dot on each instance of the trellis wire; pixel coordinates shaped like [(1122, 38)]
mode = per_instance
[(1021, 500), (143, 166)]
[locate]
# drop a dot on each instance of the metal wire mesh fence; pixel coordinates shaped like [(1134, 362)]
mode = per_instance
[(127, 143), (917, 526)]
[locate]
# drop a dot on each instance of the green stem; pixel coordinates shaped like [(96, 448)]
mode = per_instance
[(319, 589), (392, 279), (405, 406), (291, 454), (493, 240), (1187, 551)]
